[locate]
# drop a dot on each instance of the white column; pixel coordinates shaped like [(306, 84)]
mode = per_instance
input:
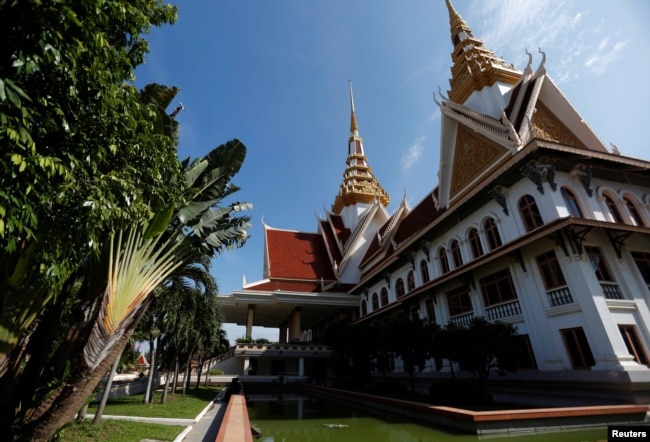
[(301, 366), (250, 315)]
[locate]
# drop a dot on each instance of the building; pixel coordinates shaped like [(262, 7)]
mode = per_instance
[(534, 222)]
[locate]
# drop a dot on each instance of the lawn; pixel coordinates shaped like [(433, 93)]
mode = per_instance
[(177, 406)]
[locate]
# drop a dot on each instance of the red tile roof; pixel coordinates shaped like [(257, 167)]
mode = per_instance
[(332, 244), (297, 255), (422, 215)]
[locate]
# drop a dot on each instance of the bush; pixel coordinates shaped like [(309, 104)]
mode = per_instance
[(215, 372)]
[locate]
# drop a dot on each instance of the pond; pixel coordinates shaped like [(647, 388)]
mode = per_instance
[(298, 418)]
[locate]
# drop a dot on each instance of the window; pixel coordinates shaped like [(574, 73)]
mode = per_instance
[(444, 264), (530, 213), (633, 343), (634, 213), (375, 302), (571, 203), (384, 296), (498, 288), (455, 253), (642, 261), (364, 308), (598, 264), (410, 281), (613, 210), (492, 234), (475, 243), (526, 359), (459, 301), (414, 312), (399, 287), (424, 271), (428, 306), (551, 271), (578, 347)]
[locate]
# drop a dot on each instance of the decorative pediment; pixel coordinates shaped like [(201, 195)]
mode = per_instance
[(548, 127), (473, 155)]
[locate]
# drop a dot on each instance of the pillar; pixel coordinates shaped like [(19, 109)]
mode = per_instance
[(295, 324), (250, 315)]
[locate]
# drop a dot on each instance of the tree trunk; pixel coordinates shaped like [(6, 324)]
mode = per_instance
[(152, 363), (163, 400), (199, 372), (70, 398), (207, 372), (81, 416), (188, 374), (107, 390), (176, 374)]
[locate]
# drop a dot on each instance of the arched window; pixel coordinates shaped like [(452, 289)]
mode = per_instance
[(475, 243), (530, 213), (410, 281), (571, 203), (375, 302), (613, 210), (399, 287), (492, 234), (364, 308), (454, 248), (634, 212), (442, 256), (424, 271), (384, 296)]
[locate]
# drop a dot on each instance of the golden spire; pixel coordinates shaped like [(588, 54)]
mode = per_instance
[(354, 128), (359, 184), (475, 67)]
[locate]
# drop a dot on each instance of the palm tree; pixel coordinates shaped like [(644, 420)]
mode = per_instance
[(136, 260)]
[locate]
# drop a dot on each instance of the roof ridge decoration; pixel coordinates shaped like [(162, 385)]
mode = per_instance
[(394, 220), (359, 183), (351, 243), (474, 66)]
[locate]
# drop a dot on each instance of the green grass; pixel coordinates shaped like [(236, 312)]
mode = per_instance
[(118, 431), (177, 406)]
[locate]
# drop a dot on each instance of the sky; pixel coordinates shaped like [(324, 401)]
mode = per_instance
[(275, 74)]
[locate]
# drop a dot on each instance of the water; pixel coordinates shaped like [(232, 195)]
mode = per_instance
[(297, 418)]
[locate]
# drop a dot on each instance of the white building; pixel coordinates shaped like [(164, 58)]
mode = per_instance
[(534, 222)]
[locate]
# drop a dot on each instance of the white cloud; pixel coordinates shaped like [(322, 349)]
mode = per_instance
[(412, 154), (598, 62), (572, 37)]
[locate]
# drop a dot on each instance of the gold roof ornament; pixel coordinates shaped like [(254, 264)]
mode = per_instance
[(474, 66), (359, 183)]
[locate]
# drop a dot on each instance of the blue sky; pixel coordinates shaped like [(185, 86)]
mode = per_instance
[(275, 75)]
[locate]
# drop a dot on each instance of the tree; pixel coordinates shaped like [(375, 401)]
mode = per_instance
[(482, 347)]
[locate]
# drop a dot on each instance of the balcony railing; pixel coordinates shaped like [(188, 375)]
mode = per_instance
[(559, 296), (505, 310), (611, 290), (462, 320)]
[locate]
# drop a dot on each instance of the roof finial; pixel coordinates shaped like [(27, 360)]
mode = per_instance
[(354, 128)]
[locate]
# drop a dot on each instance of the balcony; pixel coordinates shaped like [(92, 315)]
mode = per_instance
[(559, 296), (611, 290), (462, 320), (504, 310), (286, 350)]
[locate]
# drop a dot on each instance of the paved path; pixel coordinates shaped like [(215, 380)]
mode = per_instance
[(203, 428)]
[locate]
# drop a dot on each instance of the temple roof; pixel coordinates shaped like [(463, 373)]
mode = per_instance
[(474, 66), (359, 183)]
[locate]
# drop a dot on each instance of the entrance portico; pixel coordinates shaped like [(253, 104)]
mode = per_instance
[(298, 316)]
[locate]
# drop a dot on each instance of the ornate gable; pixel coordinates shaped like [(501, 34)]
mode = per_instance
[(548, 127), (473, 155)]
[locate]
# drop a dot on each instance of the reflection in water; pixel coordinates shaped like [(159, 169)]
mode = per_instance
[(297, 418)]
